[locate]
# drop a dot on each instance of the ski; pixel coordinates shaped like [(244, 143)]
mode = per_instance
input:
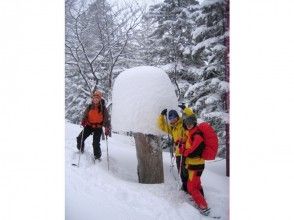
[(77, 164), (211, 216), (208, 215), (171, 170), (200, 212)]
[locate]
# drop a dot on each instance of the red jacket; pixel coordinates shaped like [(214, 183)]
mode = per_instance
[(196, 143)]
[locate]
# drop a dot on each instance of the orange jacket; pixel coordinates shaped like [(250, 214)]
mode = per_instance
[(96, 115)]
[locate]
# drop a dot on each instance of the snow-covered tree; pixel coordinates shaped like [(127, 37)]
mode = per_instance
[(187, 39), (96, 38), (207, 91), (77, 87), (172, 36), (189, 42)]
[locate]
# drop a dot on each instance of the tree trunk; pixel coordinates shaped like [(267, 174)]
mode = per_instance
[(227, 76), (228, 150), (149, 155)]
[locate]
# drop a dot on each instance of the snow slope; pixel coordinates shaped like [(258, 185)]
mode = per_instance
[(93, 192)]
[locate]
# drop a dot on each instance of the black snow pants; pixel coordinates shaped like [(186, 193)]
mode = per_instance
[(184, 172), (85, 133)]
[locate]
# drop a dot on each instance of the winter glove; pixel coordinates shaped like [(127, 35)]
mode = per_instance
[(164, 111), (179, 142), (107, 131), (84, 123), (182, 106), (181, 148)]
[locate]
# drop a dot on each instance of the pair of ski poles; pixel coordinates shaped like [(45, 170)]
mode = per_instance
[(80, 150), (172, 155)]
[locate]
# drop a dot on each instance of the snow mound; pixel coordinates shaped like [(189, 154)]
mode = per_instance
[(139, 95)]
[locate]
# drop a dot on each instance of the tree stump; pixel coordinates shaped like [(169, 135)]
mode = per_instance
[(149, 155)]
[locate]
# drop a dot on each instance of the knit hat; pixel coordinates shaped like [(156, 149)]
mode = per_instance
[(97, 93), (190, 120), (172, 114)]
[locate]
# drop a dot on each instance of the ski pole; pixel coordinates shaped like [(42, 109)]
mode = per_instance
[(172, 158), (181, 160), (107, 152), (171, 144), (180, 168), (80, 150)]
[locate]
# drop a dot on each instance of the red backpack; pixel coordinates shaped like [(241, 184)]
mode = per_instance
[(210, 141)]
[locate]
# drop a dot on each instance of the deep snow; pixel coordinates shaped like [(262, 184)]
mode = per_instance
[(93, 192)]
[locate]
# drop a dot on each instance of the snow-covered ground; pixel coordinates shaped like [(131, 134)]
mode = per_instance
[(93, 192)]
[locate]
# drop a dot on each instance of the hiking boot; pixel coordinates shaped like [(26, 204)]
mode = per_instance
[(80, 150), (184, 188)]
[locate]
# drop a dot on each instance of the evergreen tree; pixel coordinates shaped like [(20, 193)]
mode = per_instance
[(172, 37), (207, 93), (96, 40), (189, 43), (76, 84)]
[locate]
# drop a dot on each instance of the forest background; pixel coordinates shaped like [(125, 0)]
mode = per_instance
[(32, 75), (188, 39)]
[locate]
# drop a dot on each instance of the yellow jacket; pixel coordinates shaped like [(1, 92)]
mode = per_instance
[(176, 131)]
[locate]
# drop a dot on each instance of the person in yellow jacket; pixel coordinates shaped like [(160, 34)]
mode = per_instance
[(173, 125)]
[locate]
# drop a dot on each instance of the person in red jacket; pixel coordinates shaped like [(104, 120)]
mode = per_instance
[(194, 163), (94, 118)]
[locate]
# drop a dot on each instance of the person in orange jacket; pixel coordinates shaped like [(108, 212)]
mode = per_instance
[(192, 150), (94, 118)]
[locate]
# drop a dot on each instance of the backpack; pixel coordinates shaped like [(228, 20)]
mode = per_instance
[(210, 141)]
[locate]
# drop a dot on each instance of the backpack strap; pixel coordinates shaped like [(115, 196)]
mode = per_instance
[(199, 150), (106, 118)]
